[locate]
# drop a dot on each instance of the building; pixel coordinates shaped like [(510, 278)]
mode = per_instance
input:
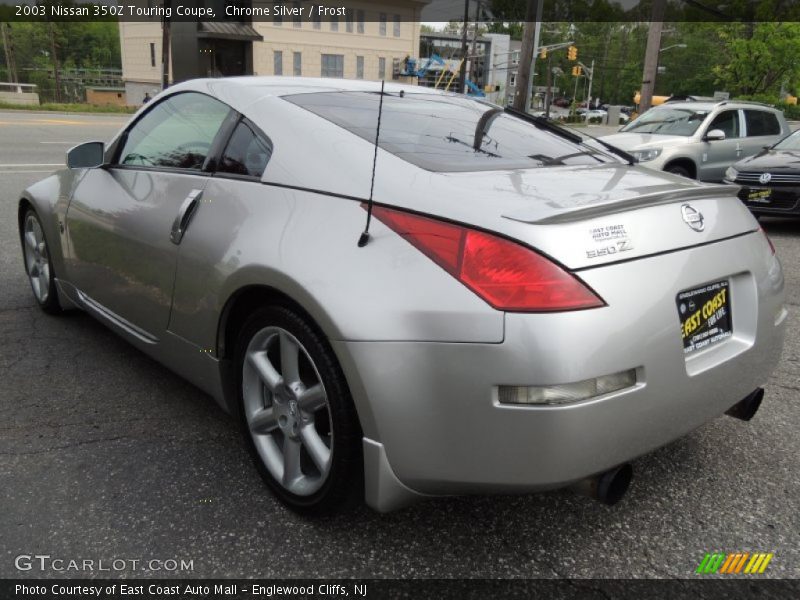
[(512, 67), (487, 63), (366, 43)]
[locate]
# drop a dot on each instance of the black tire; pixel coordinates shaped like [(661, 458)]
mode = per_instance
[(35, 261), (679, 170), (342, 487)]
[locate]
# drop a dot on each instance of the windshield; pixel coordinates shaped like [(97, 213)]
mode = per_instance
[(789, 143), (668, 121), (447, 133)]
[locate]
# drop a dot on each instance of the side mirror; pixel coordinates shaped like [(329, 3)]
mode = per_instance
[(86, 156), (714, 135)]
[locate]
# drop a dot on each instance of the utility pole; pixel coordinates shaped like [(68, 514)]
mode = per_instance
[(548, 95), (651, 55), (589, 94), (462, 73), (522, 93), (166, 38), (56, 70), (8, 47), (536, 33), (473, 54)]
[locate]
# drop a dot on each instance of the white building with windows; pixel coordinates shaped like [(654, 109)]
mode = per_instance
[(366, 43)]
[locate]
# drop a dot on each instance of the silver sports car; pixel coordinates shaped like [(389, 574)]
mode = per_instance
[(527, 311)]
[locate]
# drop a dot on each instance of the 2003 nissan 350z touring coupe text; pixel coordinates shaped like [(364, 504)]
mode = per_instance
[(529, 310)]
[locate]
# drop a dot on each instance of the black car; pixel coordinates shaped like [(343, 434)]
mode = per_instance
[(770, 180)]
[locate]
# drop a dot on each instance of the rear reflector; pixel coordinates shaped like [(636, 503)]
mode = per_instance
[(567, 392), (508, 276)]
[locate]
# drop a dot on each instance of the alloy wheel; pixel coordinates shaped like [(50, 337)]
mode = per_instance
[(287, 411)]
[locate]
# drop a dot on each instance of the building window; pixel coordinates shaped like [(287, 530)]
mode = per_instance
[(361, 19), (317, 21), (152, 54), (397, 26), (381, 68), (298, 63), (382, 29), (277, 20), (334, 23), (333, 65), (513, 81), (359, 67), (349, 18), (297, 20), (278, 60)]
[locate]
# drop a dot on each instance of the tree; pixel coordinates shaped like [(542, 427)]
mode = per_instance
[(758, 57)]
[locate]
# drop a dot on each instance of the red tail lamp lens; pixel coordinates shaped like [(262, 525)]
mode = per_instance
[(506, 275), (769, 241)]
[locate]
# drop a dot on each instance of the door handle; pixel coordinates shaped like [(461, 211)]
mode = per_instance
[(184, 217)]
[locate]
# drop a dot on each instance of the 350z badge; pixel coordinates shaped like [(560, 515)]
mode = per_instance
[(615, 248)]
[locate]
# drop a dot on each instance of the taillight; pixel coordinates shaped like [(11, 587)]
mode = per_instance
[(769, 241), (508, 276)]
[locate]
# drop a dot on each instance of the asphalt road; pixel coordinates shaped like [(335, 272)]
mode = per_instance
[(104, 454)]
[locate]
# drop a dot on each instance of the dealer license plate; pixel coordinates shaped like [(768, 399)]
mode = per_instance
[(759, 196), (705, 316)]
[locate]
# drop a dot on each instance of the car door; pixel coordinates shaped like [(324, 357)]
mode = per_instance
[(762, 128), (209, 253), (126, 220), (718, 155)]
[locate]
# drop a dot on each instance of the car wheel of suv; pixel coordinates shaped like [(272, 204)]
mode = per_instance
[(679, 170), (298, 417), (38, 266)]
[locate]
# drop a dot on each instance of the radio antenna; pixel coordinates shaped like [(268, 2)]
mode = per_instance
[(362, 241)]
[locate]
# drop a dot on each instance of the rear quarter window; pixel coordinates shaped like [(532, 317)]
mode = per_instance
[(761, 122)]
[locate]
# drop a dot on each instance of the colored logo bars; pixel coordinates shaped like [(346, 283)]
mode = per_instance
[(731, 564)]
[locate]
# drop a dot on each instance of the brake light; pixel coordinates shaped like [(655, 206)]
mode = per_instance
[(769, 241), (508, 276)]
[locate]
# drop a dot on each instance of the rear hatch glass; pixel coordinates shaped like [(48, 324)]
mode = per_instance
[(447, 133)]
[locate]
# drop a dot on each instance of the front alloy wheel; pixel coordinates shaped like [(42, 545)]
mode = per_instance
[(37, 263), (297, 413)]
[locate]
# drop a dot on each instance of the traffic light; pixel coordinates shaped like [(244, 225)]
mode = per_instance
[(543, 53), (576, 71), (572, 53)]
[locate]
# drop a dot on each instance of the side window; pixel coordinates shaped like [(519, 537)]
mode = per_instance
[(247, 153), (761, 122), (727, 121), (176, 133)]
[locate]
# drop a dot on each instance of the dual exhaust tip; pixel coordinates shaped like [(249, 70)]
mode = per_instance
[(610, 487)]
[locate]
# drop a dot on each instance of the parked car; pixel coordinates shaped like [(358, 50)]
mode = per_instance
[(595, 116), (562, 102), (770, 180), (700, 140), (518, 317)]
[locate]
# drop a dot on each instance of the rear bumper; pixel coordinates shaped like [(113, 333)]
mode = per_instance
[(433, 409)]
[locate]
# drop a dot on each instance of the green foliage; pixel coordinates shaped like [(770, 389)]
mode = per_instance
[(93, 44), (52, 106), (756, 58)]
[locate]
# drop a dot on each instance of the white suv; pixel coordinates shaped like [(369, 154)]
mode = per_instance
[(700, 139)]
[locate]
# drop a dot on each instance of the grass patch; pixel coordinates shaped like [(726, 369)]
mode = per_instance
[(76, 108)]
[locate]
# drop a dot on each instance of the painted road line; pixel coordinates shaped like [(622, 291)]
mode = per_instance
[(16, 166)]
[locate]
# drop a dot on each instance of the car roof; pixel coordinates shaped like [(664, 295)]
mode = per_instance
[(243, 92), (709, 106), (263, 86)]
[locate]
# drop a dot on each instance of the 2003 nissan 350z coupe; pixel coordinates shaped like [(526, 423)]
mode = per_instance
[(528, 311)]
